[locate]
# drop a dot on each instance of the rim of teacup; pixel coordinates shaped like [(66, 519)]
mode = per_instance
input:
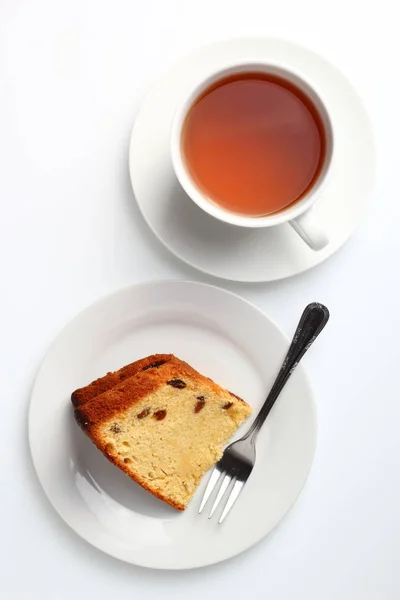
[(292, 211)]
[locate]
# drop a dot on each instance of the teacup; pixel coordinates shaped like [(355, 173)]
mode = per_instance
[(299, 213)]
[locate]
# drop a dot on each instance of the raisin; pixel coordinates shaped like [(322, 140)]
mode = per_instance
[(177, 383), (122, 376), (127, 460), (160, 414), (81, 419), (115, 428), (145, 412), (237, 397), (227, 405), (155, 365), (199, 404)]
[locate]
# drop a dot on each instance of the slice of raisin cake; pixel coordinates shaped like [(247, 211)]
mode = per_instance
[(164, 425)]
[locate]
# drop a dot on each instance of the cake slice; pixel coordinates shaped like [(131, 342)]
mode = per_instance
[(164, 426)]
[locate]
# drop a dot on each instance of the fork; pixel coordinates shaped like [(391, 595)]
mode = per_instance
[(234, 468)]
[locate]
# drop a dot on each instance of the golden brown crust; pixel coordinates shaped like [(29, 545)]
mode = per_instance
[(126, 394), (103, 384)]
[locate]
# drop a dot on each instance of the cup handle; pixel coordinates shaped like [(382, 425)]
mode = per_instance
[(309, 230)]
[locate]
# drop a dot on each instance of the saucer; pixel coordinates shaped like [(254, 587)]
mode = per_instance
[(237, 253), (224, 337)]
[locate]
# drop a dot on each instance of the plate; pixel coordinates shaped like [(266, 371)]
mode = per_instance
[(236, 253), (224, 337)]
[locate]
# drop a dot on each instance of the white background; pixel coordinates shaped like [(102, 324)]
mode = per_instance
[(72, 75)]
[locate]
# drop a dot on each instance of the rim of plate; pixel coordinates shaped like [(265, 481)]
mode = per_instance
[(33, 402)]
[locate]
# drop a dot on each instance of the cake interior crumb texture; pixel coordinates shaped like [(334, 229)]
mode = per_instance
[(165, 434)]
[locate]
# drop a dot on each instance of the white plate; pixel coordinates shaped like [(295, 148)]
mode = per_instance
[(234, 252), (224, 337)]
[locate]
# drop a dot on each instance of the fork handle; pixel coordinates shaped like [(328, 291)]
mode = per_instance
[(312, 322)]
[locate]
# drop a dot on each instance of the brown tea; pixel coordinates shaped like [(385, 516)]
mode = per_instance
[(253, 143)]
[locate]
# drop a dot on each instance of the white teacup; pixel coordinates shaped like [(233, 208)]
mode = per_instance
[(298, 214)]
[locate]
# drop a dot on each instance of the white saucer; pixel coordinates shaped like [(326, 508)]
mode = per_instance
[(232, 252), (226, 338)]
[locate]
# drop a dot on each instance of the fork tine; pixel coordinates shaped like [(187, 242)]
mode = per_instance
[(212, 482), (221, 492), (235, 491)]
